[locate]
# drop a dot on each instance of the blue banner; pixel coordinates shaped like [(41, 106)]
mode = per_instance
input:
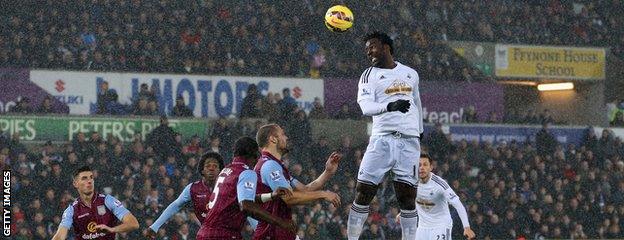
[(508, 133)]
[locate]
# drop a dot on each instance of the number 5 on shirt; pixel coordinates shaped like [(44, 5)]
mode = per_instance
[(215, 192)]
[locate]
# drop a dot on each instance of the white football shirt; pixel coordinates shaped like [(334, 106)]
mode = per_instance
[(432, 204), (380, 86)]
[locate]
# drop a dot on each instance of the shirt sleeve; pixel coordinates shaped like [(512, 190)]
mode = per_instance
[(366, 96), (246, 186), (418, 103), (453, 199), (252, 222), (115, 206), (294, 182), (272, 175), (68, 217), (173, 208)]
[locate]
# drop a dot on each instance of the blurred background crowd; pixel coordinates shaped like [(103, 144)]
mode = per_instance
[(511, 189)]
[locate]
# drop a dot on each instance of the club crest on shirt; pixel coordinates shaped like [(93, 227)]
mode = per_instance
[(276, 175), (101, 210), (398, 87)]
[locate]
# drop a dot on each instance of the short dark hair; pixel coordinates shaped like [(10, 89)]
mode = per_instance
[(262, 137), (246, 147), (382, 37), (209, 155), (426, 155), (85, 168)]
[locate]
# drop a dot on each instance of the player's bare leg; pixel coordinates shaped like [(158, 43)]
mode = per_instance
[(359, 210), (406, 196)]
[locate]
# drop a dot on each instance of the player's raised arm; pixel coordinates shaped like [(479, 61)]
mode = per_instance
[(246, 191), (453, 199), (128, 221), (273, 176), (171, 210), (331, 166), (66, 223)]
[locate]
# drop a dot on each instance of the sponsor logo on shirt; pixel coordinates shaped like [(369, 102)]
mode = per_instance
[(398, 87), (83, 215), (201, 196), (93, 235)]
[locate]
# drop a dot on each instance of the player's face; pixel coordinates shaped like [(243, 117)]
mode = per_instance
[(84, 183), (281, 141), (211, 169), (424, 168), (374, 51)]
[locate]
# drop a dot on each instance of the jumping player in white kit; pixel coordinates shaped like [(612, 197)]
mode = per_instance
[(432, 203), (388, 91)]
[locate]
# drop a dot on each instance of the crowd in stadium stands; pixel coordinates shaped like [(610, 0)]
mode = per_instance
[(511, 189), (206, 37), (289, 39)]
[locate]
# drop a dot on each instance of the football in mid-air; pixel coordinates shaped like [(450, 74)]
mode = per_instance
[(339, 18)]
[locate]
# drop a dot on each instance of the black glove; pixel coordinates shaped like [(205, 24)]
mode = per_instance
[(399, 105)]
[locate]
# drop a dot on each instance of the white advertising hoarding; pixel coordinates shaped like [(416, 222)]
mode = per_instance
[(207, 96)]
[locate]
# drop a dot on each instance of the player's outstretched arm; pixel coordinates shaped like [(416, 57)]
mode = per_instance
[(61, 233), (331, 166), (66, 222), (128, 223), (300, 198), (255, 211), (453, 199), (171, 210)]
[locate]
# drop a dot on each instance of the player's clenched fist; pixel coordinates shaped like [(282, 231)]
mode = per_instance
[(399, 105), (333, 198)]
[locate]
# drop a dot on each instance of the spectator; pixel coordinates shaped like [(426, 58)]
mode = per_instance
[(46, 106), (22, 106), (104, 98), (249, 106), (142, 108), (318, 110), (162, 138), (193, 147), (345, 113), (545, 141), (152, 108), (470, 116), (180, 109)]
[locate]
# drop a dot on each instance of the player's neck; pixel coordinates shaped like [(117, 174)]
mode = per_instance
[(86, 198), (273, 151), (425, 180), (208, 182), (388, 63)]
